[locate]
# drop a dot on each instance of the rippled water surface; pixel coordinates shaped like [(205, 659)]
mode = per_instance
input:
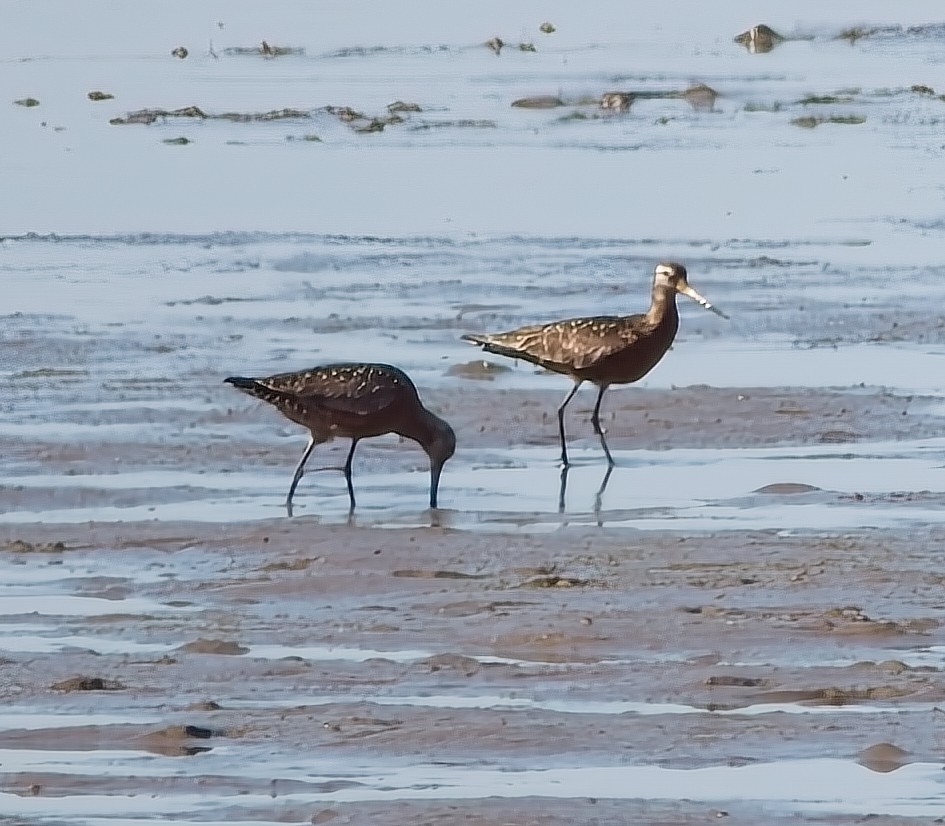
[(806, 201)]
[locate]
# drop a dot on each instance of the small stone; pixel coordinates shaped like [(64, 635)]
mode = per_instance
[(547, 28), (883, 757), (616, 101), (180, 52), (28, 102), (496, 44), (759, 39), (96, 95)]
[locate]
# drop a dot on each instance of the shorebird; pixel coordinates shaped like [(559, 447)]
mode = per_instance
[(356, 401), (604, 350)]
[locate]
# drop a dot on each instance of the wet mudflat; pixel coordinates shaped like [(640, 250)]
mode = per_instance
[(742, 621), (278, 669)]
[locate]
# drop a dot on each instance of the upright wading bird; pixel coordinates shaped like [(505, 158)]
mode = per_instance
[(356, 401), (605, 349)]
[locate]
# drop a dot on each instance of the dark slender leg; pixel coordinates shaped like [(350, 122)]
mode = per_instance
[(562, 491), (354, 444), (299, 471), (595, 420), (564, 404)]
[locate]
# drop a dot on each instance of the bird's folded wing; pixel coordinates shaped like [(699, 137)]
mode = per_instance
[(574, 343), (361, 401)]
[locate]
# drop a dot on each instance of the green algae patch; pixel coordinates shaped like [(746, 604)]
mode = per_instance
[(762, 107), (577, 115), (149, 116), (824, 99), (48, 373), (538, 102), (264, 49), (809, 121), (855, 33)]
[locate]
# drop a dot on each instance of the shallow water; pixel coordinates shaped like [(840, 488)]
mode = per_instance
[(137, 275), (704, 489), (817, 786)]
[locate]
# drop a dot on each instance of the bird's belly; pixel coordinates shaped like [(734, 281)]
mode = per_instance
[(345, 425), (627, 366)]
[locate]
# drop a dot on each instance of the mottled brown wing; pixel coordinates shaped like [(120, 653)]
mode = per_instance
[(571, 344), (362, 389)]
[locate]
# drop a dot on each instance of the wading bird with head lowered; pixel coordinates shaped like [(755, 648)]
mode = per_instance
[(357, 401)]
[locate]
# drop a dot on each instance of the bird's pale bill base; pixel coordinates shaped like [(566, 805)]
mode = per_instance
[(700, 299)]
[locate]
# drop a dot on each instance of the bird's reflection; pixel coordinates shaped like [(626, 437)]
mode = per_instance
[(440, 517), (598, 497)]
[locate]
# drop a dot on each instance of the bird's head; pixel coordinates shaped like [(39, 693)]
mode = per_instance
[(672, 276)]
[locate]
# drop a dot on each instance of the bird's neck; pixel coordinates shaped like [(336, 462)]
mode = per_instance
[(662, 305), (422, 428)]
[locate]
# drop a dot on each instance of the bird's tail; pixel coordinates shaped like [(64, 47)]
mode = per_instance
[(243, 383), (256, 388), (490, 345)]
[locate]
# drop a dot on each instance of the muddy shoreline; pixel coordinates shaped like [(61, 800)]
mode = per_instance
[(583, 632), (742, 623)]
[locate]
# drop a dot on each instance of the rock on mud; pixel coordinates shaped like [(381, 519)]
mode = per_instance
[(759, 39), (81, 683), (496, 44), (883, 757), (478, 369), (786, 488), (205, 646), (616, 101)]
